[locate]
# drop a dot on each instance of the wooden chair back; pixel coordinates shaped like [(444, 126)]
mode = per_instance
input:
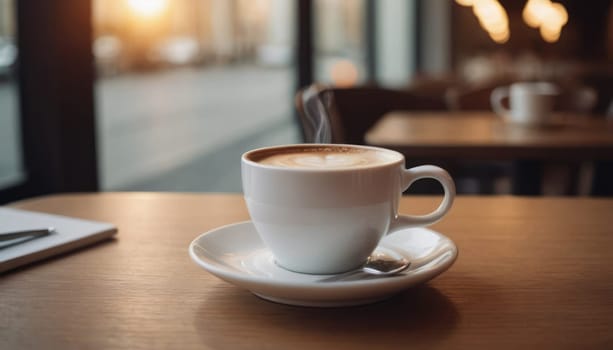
[(353, 111)]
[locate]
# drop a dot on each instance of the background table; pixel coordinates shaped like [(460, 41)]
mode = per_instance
[(484, 136), (533, 273)]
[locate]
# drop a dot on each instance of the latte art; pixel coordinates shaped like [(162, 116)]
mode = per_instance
[(326, 158)]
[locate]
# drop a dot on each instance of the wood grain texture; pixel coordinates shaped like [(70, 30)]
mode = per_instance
[(532, 273), (482, 135)]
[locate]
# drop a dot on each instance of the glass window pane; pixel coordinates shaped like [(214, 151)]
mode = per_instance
[(395, 43), (11, 167), (185, 87), (340, 43)]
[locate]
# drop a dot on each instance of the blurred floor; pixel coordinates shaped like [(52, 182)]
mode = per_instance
[(185, 129)]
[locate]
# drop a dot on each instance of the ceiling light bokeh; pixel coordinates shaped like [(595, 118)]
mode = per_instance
[(492, 17), (148, 8), (549, 17)]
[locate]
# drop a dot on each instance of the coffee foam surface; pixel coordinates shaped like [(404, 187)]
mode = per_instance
[(326, 158)]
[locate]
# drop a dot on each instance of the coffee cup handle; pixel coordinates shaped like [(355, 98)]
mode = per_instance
[(499, 94), (422, 172)]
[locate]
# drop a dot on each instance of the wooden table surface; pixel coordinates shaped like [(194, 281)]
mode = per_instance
[(483, 135), (532, 273)]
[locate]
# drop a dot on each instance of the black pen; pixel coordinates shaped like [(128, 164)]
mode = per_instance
[(7, 236)]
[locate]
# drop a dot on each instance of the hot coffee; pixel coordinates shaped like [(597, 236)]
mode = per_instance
[(323, 208), (317, 157)]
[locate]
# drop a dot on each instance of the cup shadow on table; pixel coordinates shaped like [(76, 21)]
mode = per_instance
[(422, 313)]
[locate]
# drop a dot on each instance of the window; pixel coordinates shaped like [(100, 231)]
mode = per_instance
[(11, 166), (340, 42), (185, 87), (179, 89)]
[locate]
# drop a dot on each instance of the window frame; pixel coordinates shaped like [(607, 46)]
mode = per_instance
[(56, 98)]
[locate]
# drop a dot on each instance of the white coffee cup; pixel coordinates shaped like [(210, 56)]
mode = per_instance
[(326, 218), (531, 103)]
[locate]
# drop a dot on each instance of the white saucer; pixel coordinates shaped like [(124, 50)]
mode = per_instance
[(236, 254)]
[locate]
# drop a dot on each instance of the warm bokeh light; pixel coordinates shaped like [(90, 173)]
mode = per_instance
[(344, 73), (493, 18), (550, 34), (561, 14), (535, 11), (500, 37), (148, 8), (549, 17), (465, 2)]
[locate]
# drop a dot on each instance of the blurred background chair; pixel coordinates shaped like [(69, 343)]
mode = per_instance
[(473, 97), (353, 111), (577, 98)]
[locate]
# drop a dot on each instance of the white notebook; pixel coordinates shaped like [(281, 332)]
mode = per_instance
[(70, 233)]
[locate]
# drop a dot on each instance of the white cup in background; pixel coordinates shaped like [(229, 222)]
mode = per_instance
[(531, 103)]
